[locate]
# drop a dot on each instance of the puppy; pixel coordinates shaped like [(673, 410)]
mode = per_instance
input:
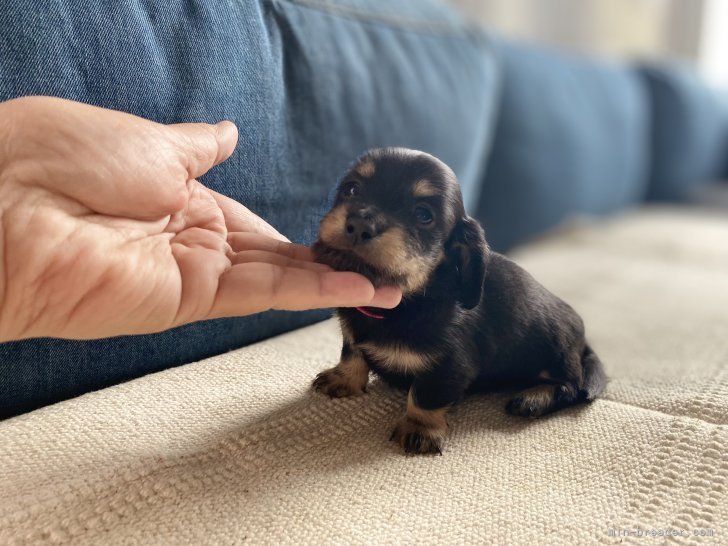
[(470, 319)]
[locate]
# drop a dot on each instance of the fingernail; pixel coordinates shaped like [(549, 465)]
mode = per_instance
[(227, 129), (386, 297)]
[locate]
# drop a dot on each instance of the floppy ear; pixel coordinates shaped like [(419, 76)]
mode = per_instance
[(467, 251)]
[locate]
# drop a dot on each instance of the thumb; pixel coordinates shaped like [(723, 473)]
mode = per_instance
[(201, 146)]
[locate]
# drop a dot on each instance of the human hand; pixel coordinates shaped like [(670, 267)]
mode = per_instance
[(105, 230)]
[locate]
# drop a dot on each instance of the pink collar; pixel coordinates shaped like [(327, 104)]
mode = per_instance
[(365, 311)]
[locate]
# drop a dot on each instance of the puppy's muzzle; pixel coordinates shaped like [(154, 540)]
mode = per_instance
[(361, 227)]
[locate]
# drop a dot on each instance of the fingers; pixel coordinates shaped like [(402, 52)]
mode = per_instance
[(112, 162), (240, 218), (253, 287), (108, 161), (241, 241), (261, 256), (201, 146)]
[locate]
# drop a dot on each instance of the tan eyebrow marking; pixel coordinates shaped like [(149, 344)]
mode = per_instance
[(365, 168), (424, 188)]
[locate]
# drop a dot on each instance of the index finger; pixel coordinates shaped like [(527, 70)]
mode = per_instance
[(242, 241), (238, 217)]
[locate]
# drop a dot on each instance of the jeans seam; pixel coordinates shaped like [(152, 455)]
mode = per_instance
[(468, 32)]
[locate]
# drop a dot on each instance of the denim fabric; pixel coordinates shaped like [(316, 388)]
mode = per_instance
[(377, 79), (572, 137), (309, 83), (689, 131)]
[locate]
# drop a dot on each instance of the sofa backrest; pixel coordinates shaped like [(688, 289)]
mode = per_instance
[(572, 137), (581, 136), (689, 131)]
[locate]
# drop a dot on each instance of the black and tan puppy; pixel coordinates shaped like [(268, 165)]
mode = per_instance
[(470, 319)]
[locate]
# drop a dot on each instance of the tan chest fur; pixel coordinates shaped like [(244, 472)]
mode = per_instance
[(397, 357)]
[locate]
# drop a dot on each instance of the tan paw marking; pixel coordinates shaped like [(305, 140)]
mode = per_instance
[(532, 402), (421, 430), (416, 437), (349, 378)]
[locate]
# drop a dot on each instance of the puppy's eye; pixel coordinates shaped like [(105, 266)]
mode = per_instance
[(350, 189), (423, 215)]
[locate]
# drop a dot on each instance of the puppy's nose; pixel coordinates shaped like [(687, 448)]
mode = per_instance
[(360, 228)]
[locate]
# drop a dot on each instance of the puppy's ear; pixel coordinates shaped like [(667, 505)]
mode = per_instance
[(467, 251)]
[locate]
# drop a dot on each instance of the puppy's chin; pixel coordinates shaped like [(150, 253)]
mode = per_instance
[(347, 260)]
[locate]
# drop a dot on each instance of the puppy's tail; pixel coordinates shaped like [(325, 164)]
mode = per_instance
[(594, 377)]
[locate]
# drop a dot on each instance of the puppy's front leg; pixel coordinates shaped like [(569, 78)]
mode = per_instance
[(424, 427), (348, 378)]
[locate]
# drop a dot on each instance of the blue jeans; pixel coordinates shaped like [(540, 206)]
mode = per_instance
[(310, 85)]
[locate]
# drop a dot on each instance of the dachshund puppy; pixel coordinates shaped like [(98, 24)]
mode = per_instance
[(470, 319)]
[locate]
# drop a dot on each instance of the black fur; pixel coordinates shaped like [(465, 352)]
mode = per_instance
[(481, 320)]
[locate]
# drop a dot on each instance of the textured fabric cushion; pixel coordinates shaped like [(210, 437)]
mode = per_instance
[(309, 83), (689, 131), (571, 138), (237, 449)]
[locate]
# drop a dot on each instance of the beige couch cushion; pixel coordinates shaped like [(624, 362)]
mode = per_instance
[(237, 449)]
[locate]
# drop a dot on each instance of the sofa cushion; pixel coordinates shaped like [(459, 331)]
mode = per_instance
[(309, 83), (571, 138), (689, 131), (239, 449)]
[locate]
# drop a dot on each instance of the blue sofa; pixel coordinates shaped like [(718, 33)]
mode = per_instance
[(535, 136)]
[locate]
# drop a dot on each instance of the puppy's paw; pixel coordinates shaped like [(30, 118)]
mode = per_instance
[(540, 400), (338, 384), (521, 407), (416, 437)]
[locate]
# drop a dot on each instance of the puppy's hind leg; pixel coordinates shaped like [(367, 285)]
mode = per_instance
[(594, 377), (586, 381), (348, 378), (542, 399)]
